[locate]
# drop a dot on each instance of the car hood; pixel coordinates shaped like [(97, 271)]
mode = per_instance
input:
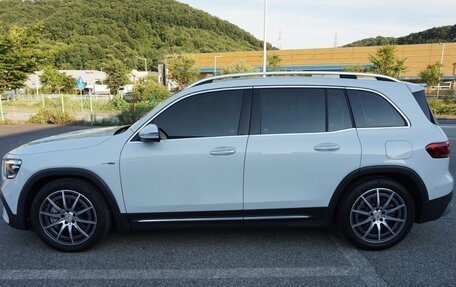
[(67, 141)]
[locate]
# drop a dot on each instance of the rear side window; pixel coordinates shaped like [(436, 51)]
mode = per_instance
[(372, 110), (338, 112), (291, 110), (205, 115), (420, 97)]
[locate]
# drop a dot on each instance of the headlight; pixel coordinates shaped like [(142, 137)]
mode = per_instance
[(11, 167)]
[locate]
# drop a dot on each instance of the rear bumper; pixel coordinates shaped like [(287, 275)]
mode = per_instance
[(434, 209), (13, 220)]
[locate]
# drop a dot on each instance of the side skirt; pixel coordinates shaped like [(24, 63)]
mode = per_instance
[(295, 217)]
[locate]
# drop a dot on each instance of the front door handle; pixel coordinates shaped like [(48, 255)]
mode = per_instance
[(326, 147), (223, 150)]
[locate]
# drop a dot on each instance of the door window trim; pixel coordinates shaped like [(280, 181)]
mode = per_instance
[(244, 116)]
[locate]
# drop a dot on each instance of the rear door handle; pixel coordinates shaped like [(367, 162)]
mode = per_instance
[(223, 150), (326, 147)]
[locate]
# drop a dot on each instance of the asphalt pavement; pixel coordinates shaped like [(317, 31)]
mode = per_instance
[(227, 257)]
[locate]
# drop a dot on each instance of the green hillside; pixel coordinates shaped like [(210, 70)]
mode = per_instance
[(82, 34), (433, 35)]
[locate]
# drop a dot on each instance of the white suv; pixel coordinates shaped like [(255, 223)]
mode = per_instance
[(360, 150)]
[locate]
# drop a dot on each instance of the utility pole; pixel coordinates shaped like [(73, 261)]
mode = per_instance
[(280, 39), (440, 69), (215, 64), (265, 27), (37, 89)]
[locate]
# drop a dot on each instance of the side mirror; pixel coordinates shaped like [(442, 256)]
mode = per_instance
[(149, 133)]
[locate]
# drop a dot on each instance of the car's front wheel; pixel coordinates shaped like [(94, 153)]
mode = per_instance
[(376, 214), (70, 215)]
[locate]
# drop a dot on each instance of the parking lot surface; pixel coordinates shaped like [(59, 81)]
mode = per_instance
[(227, 257)]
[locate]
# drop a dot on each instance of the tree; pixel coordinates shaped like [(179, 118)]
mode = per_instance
[(19, 55), (117, 75), (183, 70), (237, 68), (432, 75), (357, 68), (57, 82), (386, 62), (149, 90), (82, 36), (274, 62)]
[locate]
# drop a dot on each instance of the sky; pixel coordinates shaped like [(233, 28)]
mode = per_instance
[(314, 24)]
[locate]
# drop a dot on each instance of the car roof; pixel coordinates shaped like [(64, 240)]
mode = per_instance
[(290, 81)]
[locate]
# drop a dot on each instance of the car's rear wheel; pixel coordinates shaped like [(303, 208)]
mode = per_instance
[(70, 215), (376, 214)]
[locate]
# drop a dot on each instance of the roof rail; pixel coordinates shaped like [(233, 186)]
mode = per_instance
[(342, 75)]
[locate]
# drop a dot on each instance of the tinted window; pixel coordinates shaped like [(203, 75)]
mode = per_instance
[(292, 110), (420, 97), (338, 112), (205, 115), (372, 110)]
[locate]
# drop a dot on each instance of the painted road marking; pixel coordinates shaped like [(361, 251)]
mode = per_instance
[(360, 264)]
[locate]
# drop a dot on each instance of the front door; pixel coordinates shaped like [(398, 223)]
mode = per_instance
[(198, 165)]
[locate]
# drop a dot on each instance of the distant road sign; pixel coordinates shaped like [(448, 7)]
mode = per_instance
[(80, 85)]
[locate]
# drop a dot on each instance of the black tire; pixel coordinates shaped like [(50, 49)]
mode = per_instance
[(73, 229), (359, 218)]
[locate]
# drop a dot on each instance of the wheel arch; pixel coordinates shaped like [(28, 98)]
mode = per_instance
[(404, 175), (41, 178)]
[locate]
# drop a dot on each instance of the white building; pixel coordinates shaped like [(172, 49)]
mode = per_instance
[(91, 77)]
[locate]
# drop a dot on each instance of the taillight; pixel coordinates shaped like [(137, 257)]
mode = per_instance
[(439, 150)]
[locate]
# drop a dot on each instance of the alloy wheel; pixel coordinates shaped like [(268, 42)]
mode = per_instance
[(378, 215), (68, 217)]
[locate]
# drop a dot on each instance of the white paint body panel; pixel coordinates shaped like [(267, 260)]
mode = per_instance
[(420, 133), (284, 170), (182, 175), (96, 149)]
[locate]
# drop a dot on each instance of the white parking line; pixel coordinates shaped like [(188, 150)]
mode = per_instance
[(176, 273), (363, 268)]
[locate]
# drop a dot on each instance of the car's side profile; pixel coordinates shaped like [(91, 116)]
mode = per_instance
[(275, 150)]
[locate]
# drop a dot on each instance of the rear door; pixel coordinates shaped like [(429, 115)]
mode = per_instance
[(302, 144)]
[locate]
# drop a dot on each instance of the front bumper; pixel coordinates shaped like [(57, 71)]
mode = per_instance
[(13, 220), (435, 208)]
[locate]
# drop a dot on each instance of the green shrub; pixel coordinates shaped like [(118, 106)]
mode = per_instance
[(440, 107), (49, 116), (448, 97), (134, 113), (117, 104), (149, 90)]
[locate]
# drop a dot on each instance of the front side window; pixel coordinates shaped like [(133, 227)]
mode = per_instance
[(372, 110), (210, 114)]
